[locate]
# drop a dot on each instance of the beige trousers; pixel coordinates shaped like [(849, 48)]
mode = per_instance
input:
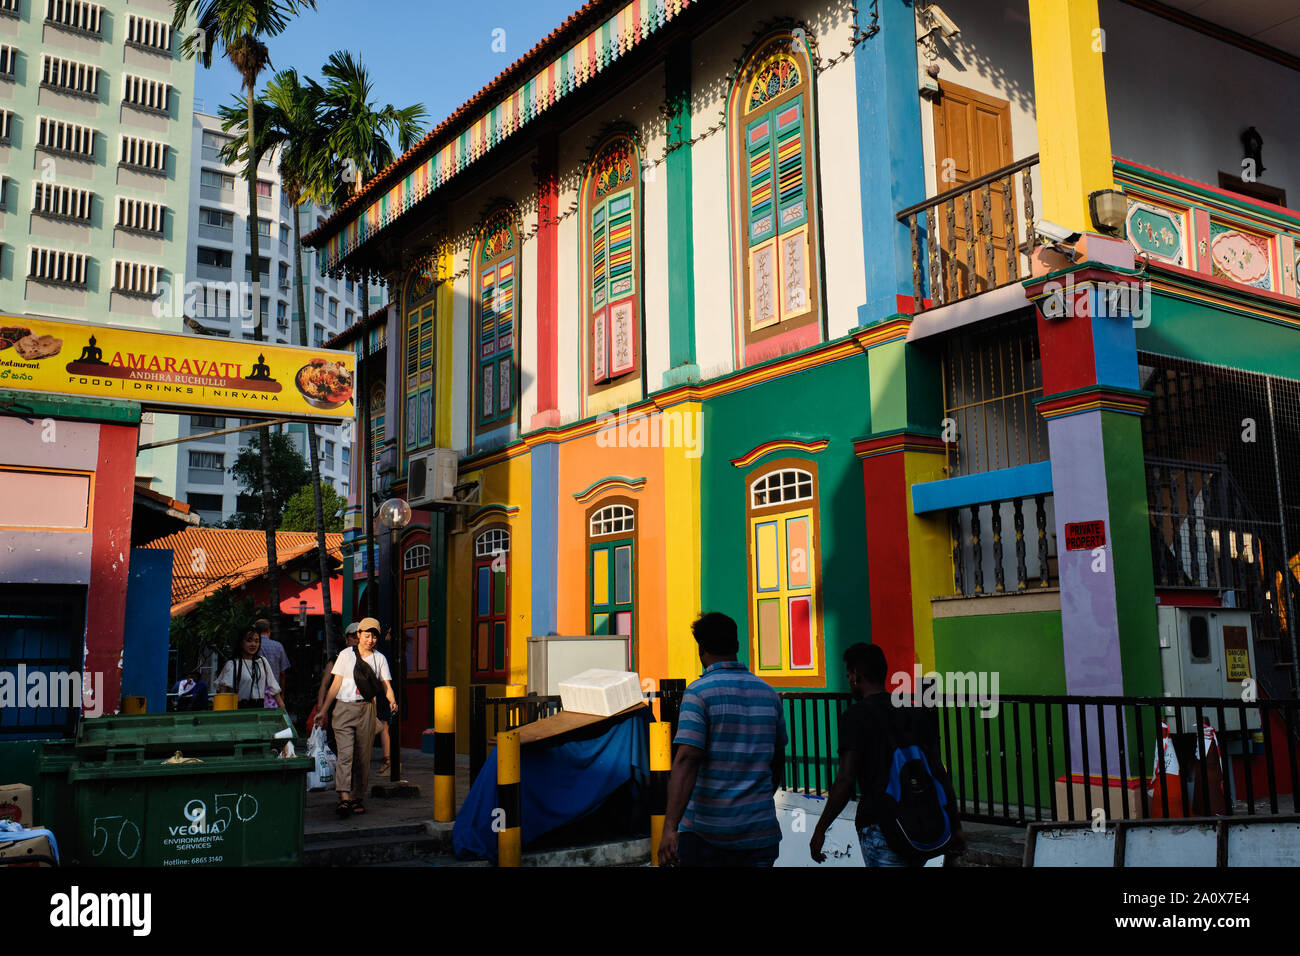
[(354, 732)]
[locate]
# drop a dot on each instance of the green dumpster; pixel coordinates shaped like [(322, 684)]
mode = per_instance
[(231, 800)]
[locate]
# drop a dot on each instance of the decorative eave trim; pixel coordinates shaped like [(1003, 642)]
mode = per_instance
[(891, 330), (502, 512), (780, 445), (1094, 398), (609, 484), (896, 441)]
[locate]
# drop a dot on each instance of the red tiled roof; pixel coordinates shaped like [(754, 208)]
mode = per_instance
[(377, 317), (205, 559), (386, 175)]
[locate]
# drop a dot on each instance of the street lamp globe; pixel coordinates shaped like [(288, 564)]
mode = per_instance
[(395, 513)]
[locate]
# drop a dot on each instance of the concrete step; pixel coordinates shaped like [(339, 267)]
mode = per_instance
[(378, 846)]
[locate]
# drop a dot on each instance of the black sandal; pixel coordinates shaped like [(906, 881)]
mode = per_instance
[(357, 807), (344, 808)]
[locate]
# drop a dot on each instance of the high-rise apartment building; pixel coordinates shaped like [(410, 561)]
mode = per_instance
[(220, 262), (94, 214)]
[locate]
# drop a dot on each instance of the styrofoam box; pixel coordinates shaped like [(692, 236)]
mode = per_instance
[(600, 692)]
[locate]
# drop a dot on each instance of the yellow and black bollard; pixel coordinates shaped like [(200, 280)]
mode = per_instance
[(661, 762), (509, 834), (444, 754), (225, 702)]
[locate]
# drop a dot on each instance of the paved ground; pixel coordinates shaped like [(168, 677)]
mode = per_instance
[(417, 769)]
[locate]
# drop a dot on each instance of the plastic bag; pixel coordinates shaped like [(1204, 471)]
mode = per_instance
[(320, 777)]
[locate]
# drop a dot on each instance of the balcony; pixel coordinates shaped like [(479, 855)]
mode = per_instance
[(217, 194), (973, 238), (214, 272)]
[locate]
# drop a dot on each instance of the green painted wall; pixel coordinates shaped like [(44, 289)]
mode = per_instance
[(827, 402), (1204, 333), (1025, 649), (1130, 541)]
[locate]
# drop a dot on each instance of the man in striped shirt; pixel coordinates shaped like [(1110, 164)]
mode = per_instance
[(730, 759)]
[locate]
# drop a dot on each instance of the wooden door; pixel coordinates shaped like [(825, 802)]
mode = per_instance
[(972, 138)]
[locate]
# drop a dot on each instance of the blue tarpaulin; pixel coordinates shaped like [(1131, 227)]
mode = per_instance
[(564, 779)]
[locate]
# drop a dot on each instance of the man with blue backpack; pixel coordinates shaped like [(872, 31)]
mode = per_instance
[(907, 810)]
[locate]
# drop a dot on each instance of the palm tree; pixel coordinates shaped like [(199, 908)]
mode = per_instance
[(359, 134), (286, 119), (237, 27)]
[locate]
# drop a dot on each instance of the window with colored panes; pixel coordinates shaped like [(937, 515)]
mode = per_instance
[(611, 578), (415, 608), (489, 656), (419, 360), (779, 237), (377, 405), (785, 636), (497, 278), (614, 219)]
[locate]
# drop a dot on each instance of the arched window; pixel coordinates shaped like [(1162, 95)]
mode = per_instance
[(377, 412), (775, 234), (490, 649), (418, 359), (612, 256), (416, 557), (496, 280), (614, 519), (785, 634), (611, 570)]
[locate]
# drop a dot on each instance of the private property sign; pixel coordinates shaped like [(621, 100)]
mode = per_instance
[(1084, 535), (176, 373)]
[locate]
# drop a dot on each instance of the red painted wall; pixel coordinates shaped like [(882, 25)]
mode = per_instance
[(110, 552), (889, 566)]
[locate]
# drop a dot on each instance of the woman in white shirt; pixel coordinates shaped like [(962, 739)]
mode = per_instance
[(354, 715), (248, 674)]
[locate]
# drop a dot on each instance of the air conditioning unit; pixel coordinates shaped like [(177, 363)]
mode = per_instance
[(432, 477)]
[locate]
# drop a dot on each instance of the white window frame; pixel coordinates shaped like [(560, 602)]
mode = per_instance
[(787, 483), (492, 542), (70, 76), (415, 558), (146, 94), (57, 266), (139, 153), (140, 215), (57, 201), (75, 15), (59, 136), (135, 278), (148, 33), (615, 519)]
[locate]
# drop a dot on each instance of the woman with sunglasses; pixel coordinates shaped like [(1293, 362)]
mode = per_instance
[(354, 713)]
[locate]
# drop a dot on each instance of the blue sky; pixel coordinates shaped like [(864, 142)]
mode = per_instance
[(435, 52)]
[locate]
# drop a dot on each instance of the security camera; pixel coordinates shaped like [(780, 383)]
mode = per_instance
[(1056, 233), (936, 19)]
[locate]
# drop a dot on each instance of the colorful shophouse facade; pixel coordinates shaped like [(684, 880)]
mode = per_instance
[(676, 288)]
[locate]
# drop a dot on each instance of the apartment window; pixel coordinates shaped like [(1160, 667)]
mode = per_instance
[(62, 202), (496, 278), (217, 218), (284, 276), (346, 455), (215, 186), (349, 318), (317, 335), (59, 137), (213, 144), (334, 311), (6, 124), (263, 189), (611, 569), (318, 300), (145, 93), (208, 507), (145, 32), (9, 7), (74, 14), (263, 265), (611, 209), (57, 266), (282, 315), (220, 258), (135, 278), (328, 451), (491, 605), (348, 285), (207, 461), (8, 56), (147, 154), (207, 421), (263, 227), (139, 215), (69, 76)]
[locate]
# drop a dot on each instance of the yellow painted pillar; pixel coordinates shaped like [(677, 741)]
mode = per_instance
[(444, 754), (225, 702), (661, 763), (510, 833), (1070, 100), (443, 332), (133, 705)]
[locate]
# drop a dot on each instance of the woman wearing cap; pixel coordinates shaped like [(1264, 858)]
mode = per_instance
[(327, 678), (354, 715)]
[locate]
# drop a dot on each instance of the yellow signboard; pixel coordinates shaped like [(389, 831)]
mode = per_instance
[(1236, 653), (178, 373)]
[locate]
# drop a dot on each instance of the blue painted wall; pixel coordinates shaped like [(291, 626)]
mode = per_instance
[(148, 627)]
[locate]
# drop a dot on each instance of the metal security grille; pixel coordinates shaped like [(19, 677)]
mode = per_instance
[(42, 628), (991, 379), (1222, 451)]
